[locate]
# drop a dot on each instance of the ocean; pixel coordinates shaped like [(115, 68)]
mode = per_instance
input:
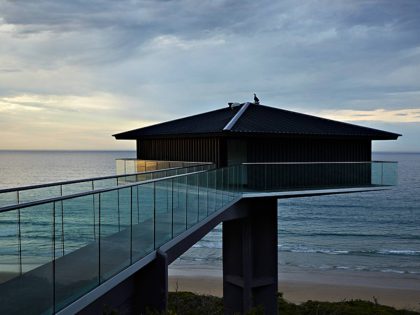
[(372, 231)]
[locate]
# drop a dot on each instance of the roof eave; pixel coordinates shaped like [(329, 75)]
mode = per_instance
[(387, 136)]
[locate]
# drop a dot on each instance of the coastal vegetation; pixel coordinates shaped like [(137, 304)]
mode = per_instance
[(187, 303)]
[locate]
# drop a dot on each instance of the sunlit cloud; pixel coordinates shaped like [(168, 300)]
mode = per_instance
[(410, 115), (174, 42), (72, 73), (64, 122)]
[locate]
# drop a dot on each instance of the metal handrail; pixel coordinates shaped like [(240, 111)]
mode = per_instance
[(75, 181), (292, 163), (168, 207), (93, 192), (96, 191)]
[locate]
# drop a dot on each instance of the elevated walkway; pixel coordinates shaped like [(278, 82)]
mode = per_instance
[(128, 172), (112, 246)]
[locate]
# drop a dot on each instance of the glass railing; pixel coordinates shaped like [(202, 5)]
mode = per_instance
[(316, 175), (54, 251), (127, 166), (17, 195)]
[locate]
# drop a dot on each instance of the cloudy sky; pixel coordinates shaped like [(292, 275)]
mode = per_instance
[(72, 73)]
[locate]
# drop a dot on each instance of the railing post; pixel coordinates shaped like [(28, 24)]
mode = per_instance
[(131, 224), (62, 222), (198, 197), (94, 215), (222, 187), (53, 262), (186, 203), (118, 210), (19, 242), (172, 211), (99, 238), (154, 215), (382, 173), (207, 192)]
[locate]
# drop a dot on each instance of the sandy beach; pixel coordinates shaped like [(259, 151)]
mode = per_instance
[(397, 290)]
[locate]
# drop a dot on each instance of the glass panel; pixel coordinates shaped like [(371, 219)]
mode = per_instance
[(143, 234), (77, 273), (69, 189), (10, 283), (151, 165), (130, 166), (120, 167), (37, 243), (143, 177), (126, 180), (211, 197), (39, 193), (390, 173), (106, 183), (164, 164), (219, 189), (114, 235), (182, 171), (192, 200), (376, 171), (202, 195), (140, 166), (179, 205), (171, 172), (8, 198), (159, 174), (59, 229), (9, 238), (163, 206)]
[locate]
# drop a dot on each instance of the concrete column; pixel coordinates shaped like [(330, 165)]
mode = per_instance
[(250, 258), (151, 285), (146, 289)]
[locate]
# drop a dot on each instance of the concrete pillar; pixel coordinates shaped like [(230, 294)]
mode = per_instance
[(250, 258), (146, 289), (152, 285)]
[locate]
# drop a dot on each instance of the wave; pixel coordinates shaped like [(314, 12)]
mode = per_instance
[(303, 249), (327, 251), (405, 252), (323, 267), (393, 236), (204, 244)]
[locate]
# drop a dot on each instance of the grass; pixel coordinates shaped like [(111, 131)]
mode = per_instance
[(187, 303)]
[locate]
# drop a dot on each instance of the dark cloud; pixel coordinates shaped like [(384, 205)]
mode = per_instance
[(165, 59)]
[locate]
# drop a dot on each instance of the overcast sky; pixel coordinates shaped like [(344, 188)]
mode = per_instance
[(72, 73)]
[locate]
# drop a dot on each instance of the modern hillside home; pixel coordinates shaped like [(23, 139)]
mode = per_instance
[(96, 245), (255, 133)]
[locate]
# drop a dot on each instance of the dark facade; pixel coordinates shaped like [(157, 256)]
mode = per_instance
[(255, 133), (228, 151), (194, 149)]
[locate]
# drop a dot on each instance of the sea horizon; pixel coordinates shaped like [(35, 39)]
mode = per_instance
[(372, 231), (134, 150)]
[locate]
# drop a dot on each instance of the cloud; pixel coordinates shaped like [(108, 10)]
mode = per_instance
[(410, 115), (149, 61)]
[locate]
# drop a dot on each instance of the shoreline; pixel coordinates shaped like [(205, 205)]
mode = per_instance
[(397, 290)]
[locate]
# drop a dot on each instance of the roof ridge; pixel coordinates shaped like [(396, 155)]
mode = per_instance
[(235, 118)]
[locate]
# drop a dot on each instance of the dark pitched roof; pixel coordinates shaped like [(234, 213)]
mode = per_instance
[(256, 119)]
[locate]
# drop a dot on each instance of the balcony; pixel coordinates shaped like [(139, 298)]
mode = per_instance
[(61, 244)]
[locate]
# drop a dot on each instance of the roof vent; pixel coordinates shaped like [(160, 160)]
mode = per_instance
[(232, 105)]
